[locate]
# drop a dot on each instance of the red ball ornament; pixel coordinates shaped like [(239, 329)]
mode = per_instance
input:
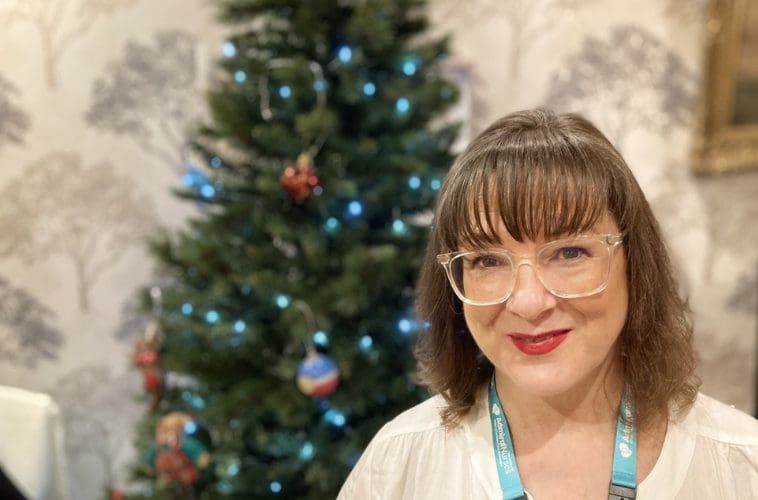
[(300, 179)]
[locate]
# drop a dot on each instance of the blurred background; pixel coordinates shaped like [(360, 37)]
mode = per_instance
[(95, 101)]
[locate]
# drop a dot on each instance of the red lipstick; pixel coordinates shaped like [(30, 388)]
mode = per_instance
[(543, 343)]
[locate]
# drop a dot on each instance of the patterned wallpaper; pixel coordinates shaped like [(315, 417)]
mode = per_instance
[(95, 100)]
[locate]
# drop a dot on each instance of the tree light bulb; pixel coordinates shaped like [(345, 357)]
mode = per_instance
[(229, 49), (345, 54), (403, 105)]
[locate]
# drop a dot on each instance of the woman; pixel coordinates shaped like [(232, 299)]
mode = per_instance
[(559, 348)]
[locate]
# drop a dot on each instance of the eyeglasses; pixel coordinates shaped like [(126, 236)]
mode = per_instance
[(569, 268)]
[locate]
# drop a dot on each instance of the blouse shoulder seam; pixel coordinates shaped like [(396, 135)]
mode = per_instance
[(389, 434)]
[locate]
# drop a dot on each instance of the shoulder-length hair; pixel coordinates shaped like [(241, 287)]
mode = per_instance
[(546, 174)]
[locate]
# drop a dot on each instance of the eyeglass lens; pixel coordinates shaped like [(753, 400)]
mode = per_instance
[(568, 268)]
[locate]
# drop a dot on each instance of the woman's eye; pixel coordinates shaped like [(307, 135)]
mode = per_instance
[(487, 261), (570, 253)]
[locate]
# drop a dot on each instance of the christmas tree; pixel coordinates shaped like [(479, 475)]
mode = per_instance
[(283, 324)]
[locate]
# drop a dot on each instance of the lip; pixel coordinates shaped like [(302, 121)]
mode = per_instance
[(541, 343)]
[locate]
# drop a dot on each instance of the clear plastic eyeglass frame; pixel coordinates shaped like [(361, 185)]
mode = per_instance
[(610, 241)]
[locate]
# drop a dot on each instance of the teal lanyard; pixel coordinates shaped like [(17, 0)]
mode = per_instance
[(624, 475)]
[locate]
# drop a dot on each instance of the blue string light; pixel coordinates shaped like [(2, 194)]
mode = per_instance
[(207, 191), (399, 227), (319, 85), (402, 105), (307, 451), (282, 301), (190, 427), (321, 338), (331, 225), (355, 208), (229, 49), (239, 326), (414, 182), (233, 469), (187, 308), (285, 91), (198, 402), (345, 54), (240, 76), (435, 184), (405, 325), (224, 487), (194, 178), (335, 417), (369, 88), (275, 487), (211, 317), (365, 343), (186, 396), (409, 68), (215, 162)]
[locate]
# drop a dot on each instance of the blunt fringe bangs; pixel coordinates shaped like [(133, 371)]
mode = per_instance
[(546, 184), (549, 175)]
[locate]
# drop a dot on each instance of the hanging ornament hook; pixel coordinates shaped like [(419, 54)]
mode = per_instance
[(155, 299), (265, 98), (310, 319)]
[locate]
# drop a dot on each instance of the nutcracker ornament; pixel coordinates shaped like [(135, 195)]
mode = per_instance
[(176, 458), (300, 178), (146, 356)]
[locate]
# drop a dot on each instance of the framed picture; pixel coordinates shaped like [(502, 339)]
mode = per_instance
[(727, 135)]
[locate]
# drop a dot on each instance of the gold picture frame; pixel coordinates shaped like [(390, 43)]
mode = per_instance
[(727, 135)]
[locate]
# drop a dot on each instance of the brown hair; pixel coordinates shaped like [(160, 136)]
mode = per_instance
[(546, 174)]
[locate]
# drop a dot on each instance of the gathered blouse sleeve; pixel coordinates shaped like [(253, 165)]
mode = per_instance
[(412, 457)]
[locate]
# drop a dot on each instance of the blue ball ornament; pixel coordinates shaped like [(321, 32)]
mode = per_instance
[(317, 375)]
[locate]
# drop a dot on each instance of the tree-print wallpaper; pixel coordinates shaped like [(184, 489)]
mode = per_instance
[(13, 120), (97, 96), (527, 22), (89, 215), (27, 335), (149, 95), (59, 23), (95, 425), (625, 81)]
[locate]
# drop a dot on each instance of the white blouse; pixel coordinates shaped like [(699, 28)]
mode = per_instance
[(712, 453)]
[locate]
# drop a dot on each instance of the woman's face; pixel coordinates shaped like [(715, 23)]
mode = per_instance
[(582, 340)]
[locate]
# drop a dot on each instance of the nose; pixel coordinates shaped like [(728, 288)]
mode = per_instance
[(529, 299)]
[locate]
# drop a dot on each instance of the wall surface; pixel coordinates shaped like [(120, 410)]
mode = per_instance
[(94, 101)]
